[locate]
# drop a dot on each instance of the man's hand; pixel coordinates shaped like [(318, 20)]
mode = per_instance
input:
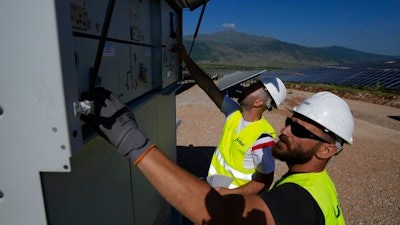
[(116, 123)]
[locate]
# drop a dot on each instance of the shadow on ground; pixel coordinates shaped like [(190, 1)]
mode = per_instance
[(195, 159), (395, 117)]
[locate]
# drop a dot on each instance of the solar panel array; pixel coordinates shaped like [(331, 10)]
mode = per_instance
[(383, 74)]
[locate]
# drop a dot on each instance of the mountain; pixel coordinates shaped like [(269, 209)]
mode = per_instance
[(233, 48)]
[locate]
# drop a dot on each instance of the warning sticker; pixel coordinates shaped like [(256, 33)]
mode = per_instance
[(109, 49)]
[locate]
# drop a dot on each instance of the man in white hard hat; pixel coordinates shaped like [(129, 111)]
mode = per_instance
[(319, 127), (242, 162), (316, 132)]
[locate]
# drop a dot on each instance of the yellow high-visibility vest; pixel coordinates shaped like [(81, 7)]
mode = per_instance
[(321, 187), (229, 156)]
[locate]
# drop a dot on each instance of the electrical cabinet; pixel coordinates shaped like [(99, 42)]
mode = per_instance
[(169, 27), (52, 169), (129, 67)]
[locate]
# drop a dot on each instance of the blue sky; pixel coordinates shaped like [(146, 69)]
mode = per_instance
[(371, 26)]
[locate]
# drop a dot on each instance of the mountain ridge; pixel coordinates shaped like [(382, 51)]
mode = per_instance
[(233, 48)]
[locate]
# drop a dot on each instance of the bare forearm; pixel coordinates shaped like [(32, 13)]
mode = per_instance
[(253, 187), (196, 199), (261, 183), (204, 81), (195, 71)]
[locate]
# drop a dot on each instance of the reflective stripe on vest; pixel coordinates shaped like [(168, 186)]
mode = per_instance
[(321, 187), (229, 156)]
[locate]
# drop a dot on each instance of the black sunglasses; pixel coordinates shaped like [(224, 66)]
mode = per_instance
[(302, 132)]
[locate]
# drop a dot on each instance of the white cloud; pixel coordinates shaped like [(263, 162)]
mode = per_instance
[(229, 25)]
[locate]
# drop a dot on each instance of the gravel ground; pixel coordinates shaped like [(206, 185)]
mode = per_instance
[(366, 174)]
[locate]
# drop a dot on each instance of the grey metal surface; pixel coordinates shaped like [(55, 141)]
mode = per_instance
[(37, 129), (48, 175)]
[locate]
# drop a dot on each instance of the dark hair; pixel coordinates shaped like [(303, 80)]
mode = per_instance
[(250, 89)]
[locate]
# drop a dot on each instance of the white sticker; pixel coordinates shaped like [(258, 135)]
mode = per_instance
[(109, 50)]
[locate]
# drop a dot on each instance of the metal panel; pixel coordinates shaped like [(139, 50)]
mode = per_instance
[(140, 76), (97, 191), (103, 187), (169, 32), (140, 21), (37, 129), (47, 56), (146, 199)]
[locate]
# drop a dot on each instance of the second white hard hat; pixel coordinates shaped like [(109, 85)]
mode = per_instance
[(276, 89)]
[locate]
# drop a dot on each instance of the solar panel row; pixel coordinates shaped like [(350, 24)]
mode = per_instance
[(383, 74)]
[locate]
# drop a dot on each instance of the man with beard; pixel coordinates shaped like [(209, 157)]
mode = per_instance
[(242, 162), (315, 132)]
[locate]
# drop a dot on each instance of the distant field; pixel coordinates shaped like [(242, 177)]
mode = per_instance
[(378, 96), (374, 82)]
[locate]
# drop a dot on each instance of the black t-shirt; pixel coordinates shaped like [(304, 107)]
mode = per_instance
[(291, 204)]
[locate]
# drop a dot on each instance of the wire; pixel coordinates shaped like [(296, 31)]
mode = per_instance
[(198, 26), (94, 73)]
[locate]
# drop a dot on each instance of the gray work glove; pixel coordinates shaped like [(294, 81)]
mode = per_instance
[(116, 123)]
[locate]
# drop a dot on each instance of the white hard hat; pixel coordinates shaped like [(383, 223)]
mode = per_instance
[(329, 111), (275, 88)]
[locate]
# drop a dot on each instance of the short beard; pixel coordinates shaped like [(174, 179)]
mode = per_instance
[(296, 155)]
